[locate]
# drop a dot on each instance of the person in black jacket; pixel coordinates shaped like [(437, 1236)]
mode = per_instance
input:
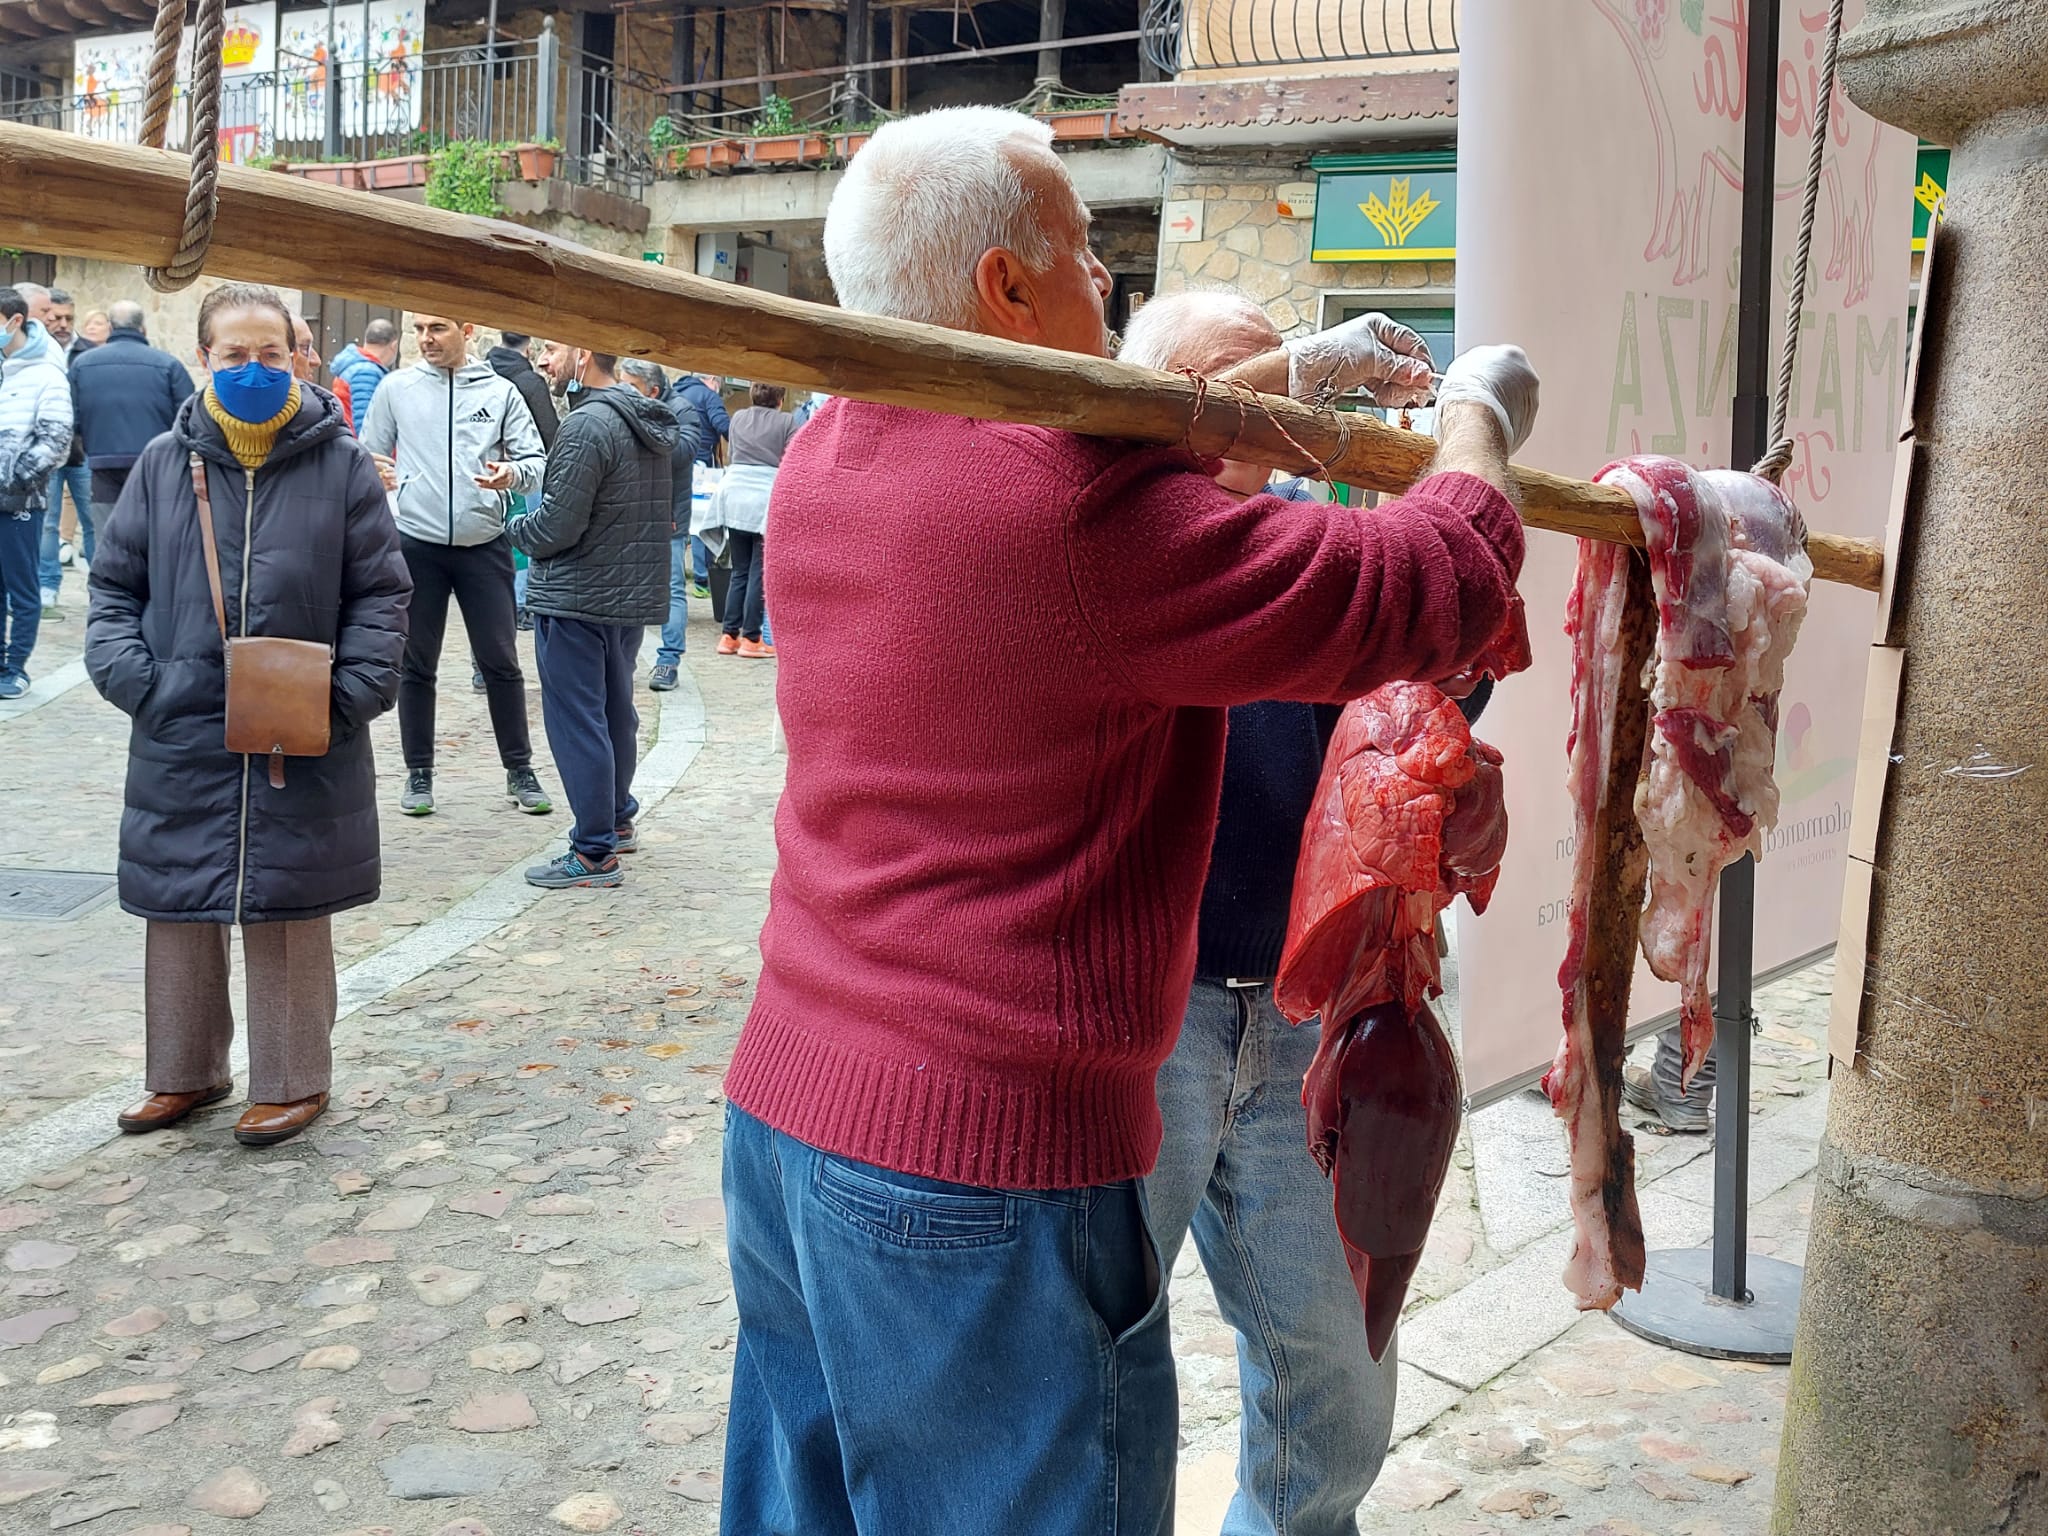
[(599, 542), (209, 838), (695, 439), (509, 360)]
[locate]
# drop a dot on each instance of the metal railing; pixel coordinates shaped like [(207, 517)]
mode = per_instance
[(612, 135), (1181, 35), (529, 91)]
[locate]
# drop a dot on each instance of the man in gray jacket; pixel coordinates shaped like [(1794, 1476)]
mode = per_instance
[(453, 438), (600, 546)]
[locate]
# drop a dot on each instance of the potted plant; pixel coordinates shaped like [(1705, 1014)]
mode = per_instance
[(667, 142), (464, 178), (536, 162), (398, 171)]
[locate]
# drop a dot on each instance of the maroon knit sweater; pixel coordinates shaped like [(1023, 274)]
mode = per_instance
[(1006, 655)]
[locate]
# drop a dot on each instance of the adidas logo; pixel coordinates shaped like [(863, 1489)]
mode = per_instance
[(481, 413)]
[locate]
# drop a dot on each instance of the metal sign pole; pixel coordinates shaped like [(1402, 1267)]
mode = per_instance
[(1728, 1303)]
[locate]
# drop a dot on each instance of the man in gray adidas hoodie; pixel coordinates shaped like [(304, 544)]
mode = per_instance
[(453, 439)]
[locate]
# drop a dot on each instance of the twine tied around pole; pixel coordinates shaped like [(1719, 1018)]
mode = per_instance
[(1247, 397), (1778, 459), (202, 195)]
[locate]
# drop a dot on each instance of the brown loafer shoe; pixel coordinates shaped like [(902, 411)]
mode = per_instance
[(264, 1125), (165, 1109)]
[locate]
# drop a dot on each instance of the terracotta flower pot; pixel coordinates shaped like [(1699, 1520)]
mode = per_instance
[(398, 171), (536, 162)]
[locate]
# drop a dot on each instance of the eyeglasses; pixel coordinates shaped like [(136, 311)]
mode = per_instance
[(234, 357)]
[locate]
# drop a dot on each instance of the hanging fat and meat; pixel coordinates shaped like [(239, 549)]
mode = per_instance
[(1729, 572), (1407, 817)]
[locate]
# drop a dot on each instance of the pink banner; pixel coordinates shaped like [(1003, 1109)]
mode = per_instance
[(1599, 206)]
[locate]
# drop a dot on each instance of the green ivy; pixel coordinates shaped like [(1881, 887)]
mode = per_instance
[(464, 177), (777, 116), (10, 253)]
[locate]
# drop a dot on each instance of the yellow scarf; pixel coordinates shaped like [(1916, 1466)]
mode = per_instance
[(251, 443)]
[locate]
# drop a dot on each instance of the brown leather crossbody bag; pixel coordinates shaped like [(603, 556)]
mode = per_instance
[(279, 691)]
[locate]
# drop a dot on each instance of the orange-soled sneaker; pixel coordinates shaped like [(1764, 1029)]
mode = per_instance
[(728, 645), (755, 648)]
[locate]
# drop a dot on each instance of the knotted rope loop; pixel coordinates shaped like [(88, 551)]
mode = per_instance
[(202, 194)]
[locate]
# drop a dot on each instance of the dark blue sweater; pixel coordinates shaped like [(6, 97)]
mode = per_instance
[(1271, 763), (1270, 768)]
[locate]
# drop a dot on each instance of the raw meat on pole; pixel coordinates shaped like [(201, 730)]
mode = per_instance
[(1407, 817), (1729, 572)]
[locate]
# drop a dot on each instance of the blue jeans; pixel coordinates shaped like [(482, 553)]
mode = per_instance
[(586, 703), (675, 633), (700, 561), (919, 1358), (21, 602), (1235, 1166), (79, 478)]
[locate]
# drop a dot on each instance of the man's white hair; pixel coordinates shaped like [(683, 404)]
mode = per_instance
[(921, 202), (1159, 334)]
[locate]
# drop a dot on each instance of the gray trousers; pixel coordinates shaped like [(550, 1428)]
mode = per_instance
[(290, 996)]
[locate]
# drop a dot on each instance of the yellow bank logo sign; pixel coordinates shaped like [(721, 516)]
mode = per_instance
[(1396, 213), (1398, 217)]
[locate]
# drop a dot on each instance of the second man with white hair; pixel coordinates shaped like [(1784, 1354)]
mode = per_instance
[(1233, 1162), (998, 809)]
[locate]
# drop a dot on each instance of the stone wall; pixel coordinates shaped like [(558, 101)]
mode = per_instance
[(1246, 245), (172, 318)]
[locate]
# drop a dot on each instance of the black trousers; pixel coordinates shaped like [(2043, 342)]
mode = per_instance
[(479, 577), (743, 594)]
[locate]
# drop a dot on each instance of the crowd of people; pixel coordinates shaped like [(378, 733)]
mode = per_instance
[(1013, 1040), (132, 390)]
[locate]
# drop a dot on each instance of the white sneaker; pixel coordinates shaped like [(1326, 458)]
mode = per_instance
[(66, 555), (49, 597)]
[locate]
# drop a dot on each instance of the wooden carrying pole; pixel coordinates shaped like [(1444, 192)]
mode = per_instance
[(73, 196)]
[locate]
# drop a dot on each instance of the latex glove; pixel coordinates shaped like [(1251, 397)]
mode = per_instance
[(1498, 378), (1369, 352)]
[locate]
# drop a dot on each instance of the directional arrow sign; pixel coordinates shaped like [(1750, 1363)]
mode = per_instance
[(1181, 221)]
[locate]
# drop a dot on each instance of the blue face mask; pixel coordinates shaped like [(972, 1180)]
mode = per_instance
[(253, 392)]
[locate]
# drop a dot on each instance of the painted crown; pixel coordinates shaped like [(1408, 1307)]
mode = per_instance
[(238, 46)]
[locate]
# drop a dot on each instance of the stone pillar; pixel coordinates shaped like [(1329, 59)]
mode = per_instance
[(1919, 1390)]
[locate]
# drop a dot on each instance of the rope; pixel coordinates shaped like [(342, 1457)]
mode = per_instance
[(201, 196), (1774, 463), (163, 71)]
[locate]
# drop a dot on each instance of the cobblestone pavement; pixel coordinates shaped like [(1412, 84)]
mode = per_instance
[(487, 1293), (66, 816)]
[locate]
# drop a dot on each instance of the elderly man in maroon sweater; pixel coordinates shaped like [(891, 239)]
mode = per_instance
[(1000, 801)]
